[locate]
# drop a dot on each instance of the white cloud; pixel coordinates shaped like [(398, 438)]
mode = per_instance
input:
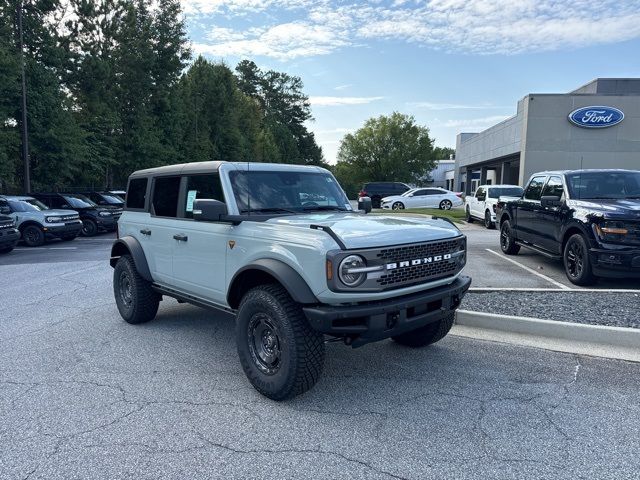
[(475, 123), (343, 87), (319, 27), (335, 101), (451, 106)]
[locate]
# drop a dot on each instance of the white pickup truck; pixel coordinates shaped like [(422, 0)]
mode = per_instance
[(482, 204)]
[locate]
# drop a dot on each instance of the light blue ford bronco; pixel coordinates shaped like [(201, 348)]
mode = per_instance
[(281, 247)]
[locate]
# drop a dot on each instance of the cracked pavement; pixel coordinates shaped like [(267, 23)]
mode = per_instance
[(85, 395)]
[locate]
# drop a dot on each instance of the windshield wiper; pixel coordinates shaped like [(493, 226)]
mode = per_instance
[(324, 207), (267, 210)]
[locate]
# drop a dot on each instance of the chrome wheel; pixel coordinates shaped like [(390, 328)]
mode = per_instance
[(446, 205), (398, 206), (264, 344)]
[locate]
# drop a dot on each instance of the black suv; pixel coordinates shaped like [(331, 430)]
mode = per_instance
[(588, 218), (9, 234), (105, 199), (378, 190), (94, 218)]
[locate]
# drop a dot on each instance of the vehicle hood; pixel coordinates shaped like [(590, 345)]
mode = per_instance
[(367, 231), (58, 212), (619, 208)]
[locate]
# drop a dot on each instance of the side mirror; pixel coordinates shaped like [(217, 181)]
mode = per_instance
[(550, 201), (5, 210), (207, 210), (364, 203)]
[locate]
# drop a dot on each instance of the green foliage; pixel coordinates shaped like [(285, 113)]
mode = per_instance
[(109, 92), (387, 148)]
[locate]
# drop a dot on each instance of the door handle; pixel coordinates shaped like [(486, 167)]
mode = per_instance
[(181, 238), (145, 231)]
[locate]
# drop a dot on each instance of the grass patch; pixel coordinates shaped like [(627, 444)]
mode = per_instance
[(456, 214)]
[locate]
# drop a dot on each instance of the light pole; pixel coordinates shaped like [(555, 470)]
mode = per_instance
[(25, 133)]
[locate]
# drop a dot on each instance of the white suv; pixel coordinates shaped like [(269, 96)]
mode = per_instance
[(281, 247)]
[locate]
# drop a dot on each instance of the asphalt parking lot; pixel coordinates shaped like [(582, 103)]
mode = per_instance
[(85, 395)]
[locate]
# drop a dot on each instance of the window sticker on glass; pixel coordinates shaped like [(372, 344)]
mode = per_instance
[(191, 196)]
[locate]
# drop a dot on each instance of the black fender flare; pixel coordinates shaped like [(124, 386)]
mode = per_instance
[(129, 245), (27, 223), (291, 280)]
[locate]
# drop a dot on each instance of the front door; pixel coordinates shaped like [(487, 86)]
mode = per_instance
[(200, 248), (550, 219)]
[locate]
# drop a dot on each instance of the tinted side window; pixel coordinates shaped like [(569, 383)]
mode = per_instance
[(136, 193), (481, 194), (553, 187), (433, 191), (534, 189), (400, 188), (57, 202), (419, 193), (202, 186), (165, 197)]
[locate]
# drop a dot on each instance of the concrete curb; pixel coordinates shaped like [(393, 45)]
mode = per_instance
[(595, 340)]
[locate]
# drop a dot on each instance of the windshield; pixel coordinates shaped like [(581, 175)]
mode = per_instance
[(287, 191), (111, 199), (604, 185), (28, 205), (497, 192), (79, 201)]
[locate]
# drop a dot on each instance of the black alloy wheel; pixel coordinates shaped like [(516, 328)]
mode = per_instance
[(577, 263)]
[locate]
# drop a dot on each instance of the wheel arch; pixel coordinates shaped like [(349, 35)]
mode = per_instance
[(130, 246), (29, 223), (572, 229), (269, 270)]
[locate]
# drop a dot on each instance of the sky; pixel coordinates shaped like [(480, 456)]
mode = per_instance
[(455, 65)]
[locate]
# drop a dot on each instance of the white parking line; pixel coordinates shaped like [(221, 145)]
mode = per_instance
[(530, 270), (533, 289), (31, 249)]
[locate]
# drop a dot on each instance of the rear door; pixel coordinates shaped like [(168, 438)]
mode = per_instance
[(199, 255), (165, 192), (527, 220)]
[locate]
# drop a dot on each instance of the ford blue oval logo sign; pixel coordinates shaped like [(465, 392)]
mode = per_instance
[(596, 117)]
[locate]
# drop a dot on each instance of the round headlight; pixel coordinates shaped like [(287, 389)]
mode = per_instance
[(346, 270)]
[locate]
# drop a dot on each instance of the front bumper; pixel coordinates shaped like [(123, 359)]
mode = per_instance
[(62, 230), (9, 237), (373, 321), (615, 262)]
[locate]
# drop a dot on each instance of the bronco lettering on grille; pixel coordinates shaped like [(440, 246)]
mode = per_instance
[(418, 261)]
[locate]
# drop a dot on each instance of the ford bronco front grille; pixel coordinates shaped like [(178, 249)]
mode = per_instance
[(420, 263), (6, 225)]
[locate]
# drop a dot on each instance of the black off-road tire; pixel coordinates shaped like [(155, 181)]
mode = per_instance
[(468, 216), (294, 359), (426, 335), (33, 236), (507, 242), (89, 228), (577, 263), (489, 225), (137, 302)]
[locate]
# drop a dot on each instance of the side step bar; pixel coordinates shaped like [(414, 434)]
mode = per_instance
[(186, 298), (539, 250)]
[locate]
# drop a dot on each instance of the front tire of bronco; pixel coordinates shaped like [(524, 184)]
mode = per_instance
[(426, 335), (137, 302), (280, 353)]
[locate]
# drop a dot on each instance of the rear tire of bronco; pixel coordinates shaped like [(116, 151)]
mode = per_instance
[(280, 353), (507, 242), (137, 302), (426, 335)]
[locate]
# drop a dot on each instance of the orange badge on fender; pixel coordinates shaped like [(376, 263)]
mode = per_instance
[(232, 244)]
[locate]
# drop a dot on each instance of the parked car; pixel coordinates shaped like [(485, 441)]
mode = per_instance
[(9, 233), (37, 223), (423, 198), (247, 240), (378, 190), (482, 205), (589, 219), (121, 194), (94, 218)]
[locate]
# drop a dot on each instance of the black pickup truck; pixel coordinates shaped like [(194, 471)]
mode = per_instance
[(588, 218)]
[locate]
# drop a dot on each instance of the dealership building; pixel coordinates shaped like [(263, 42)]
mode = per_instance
[(594, 126)]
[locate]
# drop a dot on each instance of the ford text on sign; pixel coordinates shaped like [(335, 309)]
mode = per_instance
[(596, 117)]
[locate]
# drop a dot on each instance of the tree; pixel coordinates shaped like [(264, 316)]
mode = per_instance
[(443, 153), (387, 148)]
